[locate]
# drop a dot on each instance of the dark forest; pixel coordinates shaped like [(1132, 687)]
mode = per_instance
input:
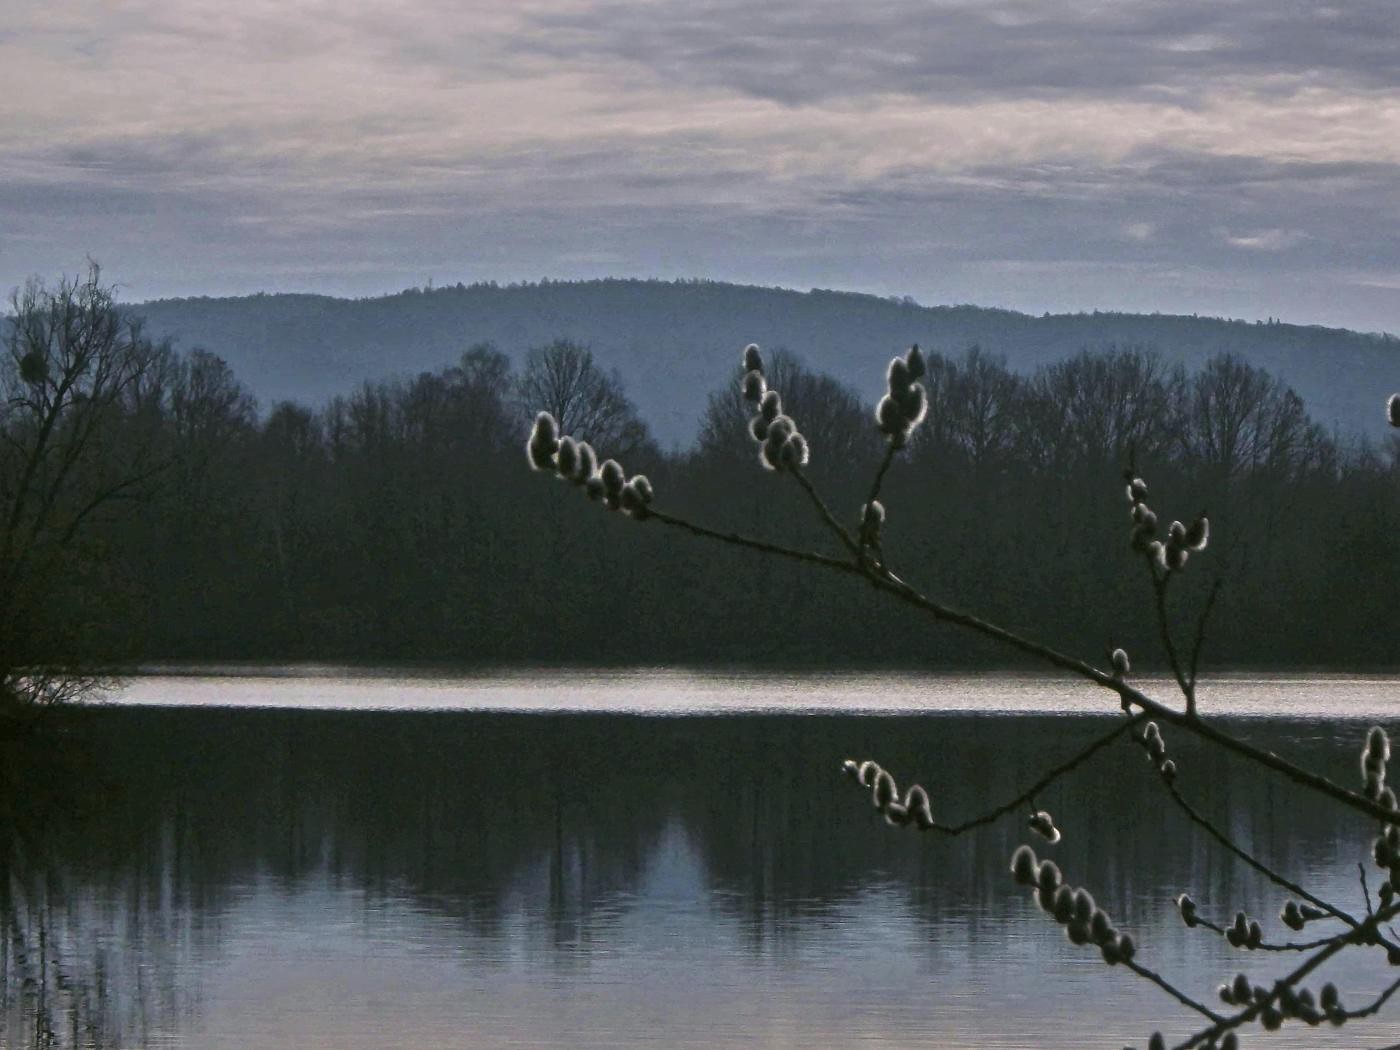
[(400, 522)]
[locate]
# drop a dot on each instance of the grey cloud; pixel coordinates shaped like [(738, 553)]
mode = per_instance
[(1007, 226), (666, 167), (804, 51)]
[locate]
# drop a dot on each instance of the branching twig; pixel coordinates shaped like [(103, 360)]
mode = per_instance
[(1175, 992), (1265, 946), (1377, 1003), (825, 512), (1359, 935), (898, 413), (1160, 582), (884, 580), (737, 540), (1200, 640), (1263, 869), (862, 771), (1028, 795), (880, 472)]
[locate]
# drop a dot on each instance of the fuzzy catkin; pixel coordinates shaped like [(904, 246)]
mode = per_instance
[(897, 377), (1121, 664), (795, 452), (566, 461), (587, 463), (754, 386), (888, 415), (917, 368), (1023, 865), (613, 477), (1198, 534), (543, 443), (914, 405)]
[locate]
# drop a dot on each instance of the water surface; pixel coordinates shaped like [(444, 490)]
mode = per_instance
[(459, 872)]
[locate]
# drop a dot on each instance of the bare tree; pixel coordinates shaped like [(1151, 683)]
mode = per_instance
[(72, 445), (1239, 419), (1102, 407), (975, 410), (591, 404), (1163, 553)]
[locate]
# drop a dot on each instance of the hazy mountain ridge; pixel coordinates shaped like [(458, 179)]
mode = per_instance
[(674, 341)]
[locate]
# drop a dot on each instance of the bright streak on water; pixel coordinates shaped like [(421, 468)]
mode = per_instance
[(664, 691)]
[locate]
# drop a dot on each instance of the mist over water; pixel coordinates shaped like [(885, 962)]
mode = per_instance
[(475, 878)]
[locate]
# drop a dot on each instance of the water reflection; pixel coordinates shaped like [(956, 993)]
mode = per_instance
[(307, 878)]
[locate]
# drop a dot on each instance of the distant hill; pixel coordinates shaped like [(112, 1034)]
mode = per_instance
[(674, 342)]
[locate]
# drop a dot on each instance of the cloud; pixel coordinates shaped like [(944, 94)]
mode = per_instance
[(1275, 240), (879, 145), (804, 51)]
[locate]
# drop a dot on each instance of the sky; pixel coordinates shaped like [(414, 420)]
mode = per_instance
[(1227, 157)]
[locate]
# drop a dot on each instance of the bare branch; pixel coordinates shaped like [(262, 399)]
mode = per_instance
[(1200, 639)]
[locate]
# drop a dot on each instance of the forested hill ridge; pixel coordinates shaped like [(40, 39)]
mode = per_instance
[(673, 341)]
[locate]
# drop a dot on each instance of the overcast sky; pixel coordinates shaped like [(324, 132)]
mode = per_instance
[(1237, 157)]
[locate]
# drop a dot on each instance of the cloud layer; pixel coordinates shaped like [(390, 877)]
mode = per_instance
[(1239, 158)]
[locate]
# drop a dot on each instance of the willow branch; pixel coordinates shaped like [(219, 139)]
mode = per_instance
[(1026, 796), (883, 579), (825, 512), (880, 472), (863, 774), (1175, 992), (1159, 591), (1265, 946), (737, 540), (1263, 869), (1363, 932), (887, 581), (1200, 640), (1377, 1003)]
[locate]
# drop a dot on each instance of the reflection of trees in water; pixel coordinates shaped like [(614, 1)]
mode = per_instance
[(559, 823), (91, 955)]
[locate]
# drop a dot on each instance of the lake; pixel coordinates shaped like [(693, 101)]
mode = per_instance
[(305, 857)]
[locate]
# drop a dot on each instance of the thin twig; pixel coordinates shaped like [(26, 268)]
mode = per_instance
[(1027, 797), (1258, 865), (1045, 781), (1377, 1003), (1200, 640), (822, 509), (735, 539), (1159, 591), (1365, 930), (1176, 993), (883, 579), (1265, 946), (880, 471)]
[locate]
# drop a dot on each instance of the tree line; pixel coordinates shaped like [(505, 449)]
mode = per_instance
[(399, 522)]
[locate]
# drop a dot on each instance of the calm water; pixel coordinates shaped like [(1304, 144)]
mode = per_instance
[(472, 870)]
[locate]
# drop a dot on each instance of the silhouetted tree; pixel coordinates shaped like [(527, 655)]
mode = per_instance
[(72, 447)]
